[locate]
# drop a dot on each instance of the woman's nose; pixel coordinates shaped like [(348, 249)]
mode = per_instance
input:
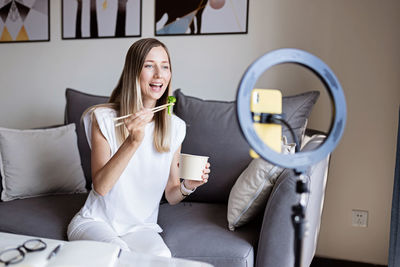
[(157, 71)]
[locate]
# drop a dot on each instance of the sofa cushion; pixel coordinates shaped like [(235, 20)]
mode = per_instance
[(199, 231), (40, 162), (297, 109), (77, 103), (213, 130), (252, 189), (46, 216)]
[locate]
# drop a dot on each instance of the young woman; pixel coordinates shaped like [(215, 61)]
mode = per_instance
[(133, 164)]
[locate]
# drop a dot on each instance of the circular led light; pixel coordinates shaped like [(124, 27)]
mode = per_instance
[(299, 161)]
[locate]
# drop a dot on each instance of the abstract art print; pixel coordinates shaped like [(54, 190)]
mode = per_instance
[(24, 20), (176, 17), (82, 19)]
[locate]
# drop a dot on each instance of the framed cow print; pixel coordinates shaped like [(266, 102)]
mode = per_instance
[(190, 17), (83, 19)]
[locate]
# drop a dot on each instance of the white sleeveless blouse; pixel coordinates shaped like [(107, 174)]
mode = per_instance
[(132, 204)]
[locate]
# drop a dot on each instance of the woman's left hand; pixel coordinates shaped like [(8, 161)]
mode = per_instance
[(191, 184)]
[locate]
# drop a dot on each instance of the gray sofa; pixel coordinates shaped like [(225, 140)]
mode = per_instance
[(197, 228)]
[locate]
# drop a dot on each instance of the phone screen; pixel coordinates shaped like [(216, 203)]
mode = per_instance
[(267, 101)]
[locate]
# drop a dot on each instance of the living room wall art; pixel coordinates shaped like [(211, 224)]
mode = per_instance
[(83, 19), (189, 17), (24, 20)]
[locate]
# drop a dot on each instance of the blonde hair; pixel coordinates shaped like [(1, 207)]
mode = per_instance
[(126, 98)]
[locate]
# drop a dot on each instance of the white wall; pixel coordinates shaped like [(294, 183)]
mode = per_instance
[(358, 39)]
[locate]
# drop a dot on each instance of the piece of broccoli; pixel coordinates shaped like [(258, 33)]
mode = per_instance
[(171, 99)]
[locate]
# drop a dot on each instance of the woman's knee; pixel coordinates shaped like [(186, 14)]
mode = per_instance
[(165, 252), (148, 242), (96, 231)]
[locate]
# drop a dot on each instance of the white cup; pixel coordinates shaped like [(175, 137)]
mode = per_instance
[(191, 166)]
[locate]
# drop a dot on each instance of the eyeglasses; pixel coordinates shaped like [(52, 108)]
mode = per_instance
[(15, 255)]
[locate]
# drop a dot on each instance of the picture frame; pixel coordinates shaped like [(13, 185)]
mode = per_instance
[(92, 19), (24, 21), (200, 17)]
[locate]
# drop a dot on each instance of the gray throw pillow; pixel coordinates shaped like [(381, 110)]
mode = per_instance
[(213, 130), (40, 162), (252, 189), (77, 103), (297, 109)]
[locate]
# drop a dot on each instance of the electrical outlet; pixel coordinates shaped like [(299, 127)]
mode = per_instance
[(360, 218)]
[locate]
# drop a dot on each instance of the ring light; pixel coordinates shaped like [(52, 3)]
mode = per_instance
[(298, 161)]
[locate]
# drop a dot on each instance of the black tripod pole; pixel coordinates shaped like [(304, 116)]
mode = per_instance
[(299, 210), (298, 218)]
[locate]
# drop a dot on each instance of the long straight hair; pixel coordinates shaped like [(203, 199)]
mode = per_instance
[(126, 98)]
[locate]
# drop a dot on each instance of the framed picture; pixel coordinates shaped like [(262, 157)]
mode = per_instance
[(82, 19), (176, 17), (24, 21)]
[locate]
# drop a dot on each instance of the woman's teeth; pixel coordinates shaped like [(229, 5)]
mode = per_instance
[(156, 85)]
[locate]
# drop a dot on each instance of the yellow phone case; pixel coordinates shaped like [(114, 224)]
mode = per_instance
[(267, 101)]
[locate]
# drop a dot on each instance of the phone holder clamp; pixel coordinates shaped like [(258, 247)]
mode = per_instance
[(267, 117)]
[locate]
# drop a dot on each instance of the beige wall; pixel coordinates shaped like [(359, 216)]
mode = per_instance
[(358, 39)]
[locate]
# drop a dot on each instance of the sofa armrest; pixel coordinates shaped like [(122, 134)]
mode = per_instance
[(276, 246)]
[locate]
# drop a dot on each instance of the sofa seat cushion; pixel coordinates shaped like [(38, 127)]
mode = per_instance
[(199, 231), (46, 216)]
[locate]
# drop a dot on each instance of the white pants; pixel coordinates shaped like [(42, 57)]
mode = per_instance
[(145, 241)]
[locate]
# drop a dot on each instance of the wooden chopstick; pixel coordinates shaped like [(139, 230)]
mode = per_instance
[(119, 124), (154, 110), (162, 106), (122, 117), (159, 108)]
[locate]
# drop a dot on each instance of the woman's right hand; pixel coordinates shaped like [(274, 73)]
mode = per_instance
[(107, 168), (136, 124)]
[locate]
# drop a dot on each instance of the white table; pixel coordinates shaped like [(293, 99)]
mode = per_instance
[(126, 259), (135, 259)]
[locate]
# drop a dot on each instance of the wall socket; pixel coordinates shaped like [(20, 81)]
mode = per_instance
[(359, 218)]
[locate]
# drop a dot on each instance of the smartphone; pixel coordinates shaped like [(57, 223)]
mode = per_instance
[(267, 101)]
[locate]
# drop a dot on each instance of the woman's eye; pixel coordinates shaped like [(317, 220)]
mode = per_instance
[(148, 66), (166, 67)]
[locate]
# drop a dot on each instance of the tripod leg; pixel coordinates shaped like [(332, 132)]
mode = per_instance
[(298, 219), (299, 223)]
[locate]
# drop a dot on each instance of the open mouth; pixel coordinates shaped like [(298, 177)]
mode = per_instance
[(156, 86)]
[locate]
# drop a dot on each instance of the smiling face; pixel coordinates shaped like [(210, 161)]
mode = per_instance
[(155, 76)]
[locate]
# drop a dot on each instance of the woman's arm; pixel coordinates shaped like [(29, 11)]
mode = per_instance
[(106, 170), (173, 192)]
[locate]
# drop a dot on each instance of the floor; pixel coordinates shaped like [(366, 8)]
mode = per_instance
[(324, 262)]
